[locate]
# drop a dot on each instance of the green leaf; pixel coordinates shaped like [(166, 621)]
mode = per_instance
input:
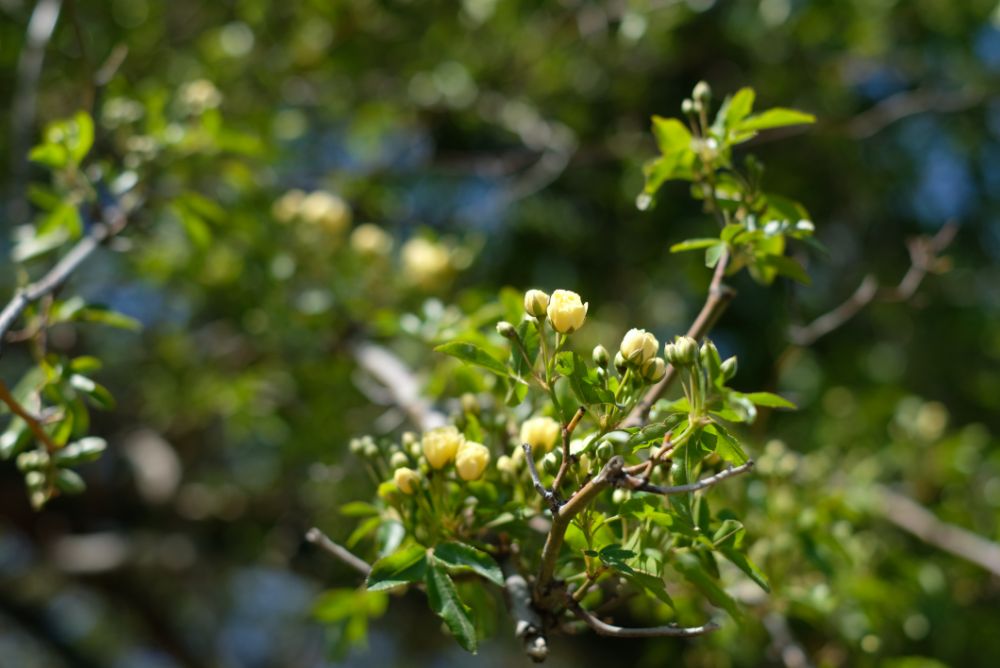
[(770, 400), (713, 254), (774, 118), (50, 155), (96, 392), (650, 584), (671, 135), (105, 316), (744, 563), (582, 379), (70, 482), (693, 244), (473, 354), (85, 450), (459, 557), (694, 572), (740, 106), (786, 266), (444, 600), (726, 446), (81, 138), (403, 567), (358, 509)]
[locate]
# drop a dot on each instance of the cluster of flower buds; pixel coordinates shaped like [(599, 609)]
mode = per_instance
[(682, 352), (563, 308), (320, 208), (638, 350), (439, 447)]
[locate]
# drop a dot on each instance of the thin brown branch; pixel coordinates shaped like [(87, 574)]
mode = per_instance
[(924, 255), (113, 221), (550, 497), (913, 518), (34, 424), (322, 541), (719, 296), (670, 631)]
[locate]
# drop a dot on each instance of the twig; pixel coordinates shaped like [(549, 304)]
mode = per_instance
[(399, 382), (719, 296), (917, 520), (642, 485), (909, 103), (601, 628), (567, 434), (41, 25), (34, 424), (924, 252), (321, 540), (114, 220), (550, 497), (528, 625)]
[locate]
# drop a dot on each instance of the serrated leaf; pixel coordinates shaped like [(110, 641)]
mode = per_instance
[(406, 566), (444, 600), (459, 557), (473, 354)]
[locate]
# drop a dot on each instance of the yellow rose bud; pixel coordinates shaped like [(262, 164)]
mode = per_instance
[(654, 370), (406, 480), (327, 210), (535, 303), (441, 444), (541, 433), (425, 263), (566, 311), (507, 465), (370, 241), (471, 460), (639, 346), (287, 207)]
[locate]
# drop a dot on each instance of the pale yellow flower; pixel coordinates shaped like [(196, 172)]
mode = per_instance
[(541, 433), (441, 444), (471, 460), (425, 263), (639, 346), (566, 311), (406, 480)]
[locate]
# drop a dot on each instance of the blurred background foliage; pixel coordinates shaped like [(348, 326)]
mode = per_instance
[(508, 137)]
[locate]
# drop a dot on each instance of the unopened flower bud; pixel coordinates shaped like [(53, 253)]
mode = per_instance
[(409, 438), (654, 370), (639, 346), (406, 480), (687, 107), (370, 450), (702, 92), (566, 311), (682, 352), (470, 404), (707, 353), (370, 241), (398, 460), (541, 433), (729, 368), (356, 446), (601, 356), (506, 330), (441, 444), (535, 303), (620, 364), (471, 460), (550, 463), (506, 464), (619, 496), (604, 451)]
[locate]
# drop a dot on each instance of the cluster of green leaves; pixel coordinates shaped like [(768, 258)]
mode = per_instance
[(754, 223)]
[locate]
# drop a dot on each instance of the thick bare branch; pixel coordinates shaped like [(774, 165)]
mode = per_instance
[(528, 624), (400, 383), (670, 631)]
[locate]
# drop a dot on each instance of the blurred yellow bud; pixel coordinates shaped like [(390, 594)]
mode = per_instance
[(471, 460), (639, 346), (286, 208), (406, 480), (370, 241), (425, 263), (535, 303), (326, 210), (508, 465), (566, 311), (541, 433), (441, 444)]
